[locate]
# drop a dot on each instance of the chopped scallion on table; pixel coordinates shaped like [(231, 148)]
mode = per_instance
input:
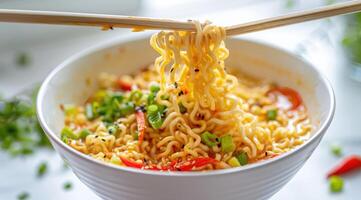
[(336, 150), (68, 186), (42, 169), (336, 184), (23, 196)]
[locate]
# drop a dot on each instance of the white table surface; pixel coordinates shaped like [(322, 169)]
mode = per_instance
[(19, 174)]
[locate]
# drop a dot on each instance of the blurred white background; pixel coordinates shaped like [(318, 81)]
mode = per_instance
[(47, 46)]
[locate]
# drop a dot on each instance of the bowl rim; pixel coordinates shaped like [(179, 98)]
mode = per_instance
[(132, 38)]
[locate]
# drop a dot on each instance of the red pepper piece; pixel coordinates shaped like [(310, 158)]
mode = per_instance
[(350, 163), (130, 163), (125, 86), (140, 117), (197, 162), (293, 96)]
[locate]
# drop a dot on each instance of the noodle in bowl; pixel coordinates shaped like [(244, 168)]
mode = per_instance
[(258, 180)]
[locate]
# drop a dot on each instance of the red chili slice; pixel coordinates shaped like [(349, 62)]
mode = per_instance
[(125, 86), (130, 163), (293, 96), (140, 118), (349, 164)]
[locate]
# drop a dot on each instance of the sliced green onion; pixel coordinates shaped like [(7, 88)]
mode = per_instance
[(162, 109), (127, 109), (164, 97), (89, 111), (42, 169), (99, 95), (84, 133), (155, 120), (68, 133), (336, 150), (115, 160), (209, 139), (227, 144), (271, 114), (336, 184), (112, 129), (182, 109), (234, 162), (23, 59), (118, 96), (242, 158), (69, 109), (23, 196), (151, 99), (152, 109), (68, 186), (154, 88), (135, 95)]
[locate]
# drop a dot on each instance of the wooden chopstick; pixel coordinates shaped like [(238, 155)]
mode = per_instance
[(140, 23), (297, 17), (86, 19)]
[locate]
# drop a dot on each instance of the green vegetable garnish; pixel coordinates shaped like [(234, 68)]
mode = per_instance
[(69, 109), (89, 111), (135, 95), (234, 162), (84, 133), (152, 109), (67, 186), (23, 196), (165, 97), (271, 114), (336, 184), (352, 37), (209, 139), (227, 144), (154, 88), (67, 133), (155, 120), (20, 131), (42, 169), (23, 59), (127, 109), (336, 150), (242, 158), (151, 99), (182, 109), (118, 96), (115, 160)]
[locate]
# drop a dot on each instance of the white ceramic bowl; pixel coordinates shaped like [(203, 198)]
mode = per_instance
[(67, 84)]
